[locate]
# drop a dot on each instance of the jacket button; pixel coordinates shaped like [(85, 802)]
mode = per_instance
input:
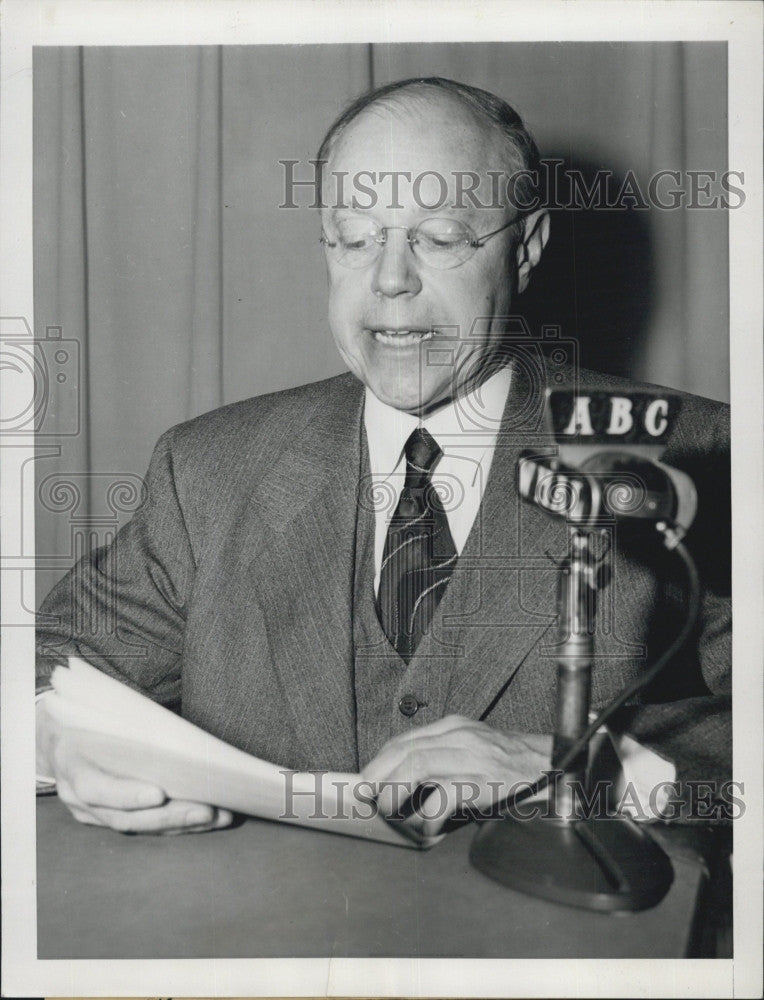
[(408, 705)]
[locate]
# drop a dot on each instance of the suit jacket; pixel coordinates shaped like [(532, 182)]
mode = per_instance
[(229, 594)]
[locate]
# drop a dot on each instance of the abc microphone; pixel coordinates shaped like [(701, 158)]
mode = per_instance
[(606, 469), (609, 470)]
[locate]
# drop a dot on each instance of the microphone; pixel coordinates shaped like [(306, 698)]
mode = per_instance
[(606, 467), (607, 464)]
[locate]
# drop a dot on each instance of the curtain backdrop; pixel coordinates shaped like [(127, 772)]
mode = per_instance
[(162, 257)]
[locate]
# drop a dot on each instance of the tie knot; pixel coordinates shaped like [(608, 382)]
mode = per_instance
[(422, 452)]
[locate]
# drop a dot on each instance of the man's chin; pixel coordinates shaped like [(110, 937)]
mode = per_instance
[(412, 400)]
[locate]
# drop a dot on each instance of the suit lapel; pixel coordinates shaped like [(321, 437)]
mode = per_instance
[(303, 570), (502, 595)]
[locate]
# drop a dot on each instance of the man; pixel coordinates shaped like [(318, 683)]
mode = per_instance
[(294, 585)]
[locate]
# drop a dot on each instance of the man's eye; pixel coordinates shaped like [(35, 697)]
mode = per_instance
[(359, 243), (443, 236), (443, 242), (356, 237)]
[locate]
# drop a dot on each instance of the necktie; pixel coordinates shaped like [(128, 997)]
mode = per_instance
[(419, 553)]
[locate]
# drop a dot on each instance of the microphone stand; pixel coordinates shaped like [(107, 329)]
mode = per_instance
[(598, 862), (576, 610)]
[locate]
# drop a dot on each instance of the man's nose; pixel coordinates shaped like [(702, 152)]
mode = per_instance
[(395, 270)]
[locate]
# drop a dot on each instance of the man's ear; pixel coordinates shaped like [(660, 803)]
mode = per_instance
[(532, 242)]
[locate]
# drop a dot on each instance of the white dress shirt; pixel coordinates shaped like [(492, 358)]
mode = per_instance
[(465, 430)]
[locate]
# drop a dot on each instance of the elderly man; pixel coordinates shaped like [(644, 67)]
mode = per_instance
[(342, 576)]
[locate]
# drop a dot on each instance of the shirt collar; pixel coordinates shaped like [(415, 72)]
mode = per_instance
[(476, 415)]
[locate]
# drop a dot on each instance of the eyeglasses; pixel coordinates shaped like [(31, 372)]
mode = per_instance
[(439, 243)]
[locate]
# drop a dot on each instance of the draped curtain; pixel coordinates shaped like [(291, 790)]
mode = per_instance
[(163, 259)]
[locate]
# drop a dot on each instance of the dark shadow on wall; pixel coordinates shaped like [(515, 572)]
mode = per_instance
[(595, 279)]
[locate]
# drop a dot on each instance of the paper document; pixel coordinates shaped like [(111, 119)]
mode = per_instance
[(131, 735)]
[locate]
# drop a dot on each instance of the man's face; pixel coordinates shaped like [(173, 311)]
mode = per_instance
[(390, 316)]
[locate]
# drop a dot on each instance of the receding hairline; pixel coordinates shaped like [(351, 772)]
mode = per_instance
[(404, 101), (493, 118)]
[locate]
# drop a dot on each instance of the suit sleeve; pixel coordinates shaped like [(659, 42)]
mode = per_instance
[(687, 715), (122, 607)]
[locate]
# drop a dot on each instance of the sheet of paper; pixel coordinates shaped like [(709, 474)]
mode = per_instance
[(127, 733)]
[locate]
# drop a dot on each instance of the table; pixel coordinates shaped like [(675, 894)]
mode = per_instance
[(270, 890)]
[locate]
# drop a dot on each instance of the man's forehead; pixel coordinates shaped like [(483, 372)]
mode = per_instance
[(418, 131)]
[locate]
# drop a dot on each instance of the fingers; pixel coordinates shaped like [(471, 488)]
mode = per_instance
[(416, 741), (128, 805), (441, 803), (469, 765), (423, 815), (413, 769), (175, 816), (86, 784), (458, 747), (464, 742)]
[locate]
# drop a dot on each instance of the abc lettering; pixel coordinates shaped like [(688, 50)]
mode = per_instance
[(655, 417), (580, 419), (621, 417), (621, 420)]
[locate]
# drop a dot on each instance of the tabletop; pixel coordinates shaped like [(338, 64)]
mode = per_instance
[(263, 889)]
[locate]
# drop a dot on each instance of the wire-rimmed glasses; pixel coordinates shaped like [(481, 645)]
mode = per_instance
[(438, 243)]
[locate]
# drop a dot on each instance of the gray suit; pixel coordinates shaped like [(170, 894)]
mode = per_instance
[(244, 593)]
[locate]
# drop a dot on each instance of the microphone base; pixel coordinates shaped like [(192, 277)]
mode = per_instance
[(608, 864)]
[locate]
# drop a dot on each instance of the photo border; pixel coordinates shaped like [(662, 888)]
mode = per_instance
[(149, 22)]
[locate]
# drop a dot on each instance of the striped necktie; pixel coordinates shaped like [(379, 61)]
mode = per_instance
[(419, 554)]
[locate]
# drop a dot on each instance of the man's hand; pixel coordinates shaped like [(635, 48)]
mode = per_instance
[(463, 757), (100, 798)]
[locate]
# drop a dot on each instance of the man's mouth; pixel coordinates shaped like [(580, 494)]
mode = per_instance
[(401, 337)]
